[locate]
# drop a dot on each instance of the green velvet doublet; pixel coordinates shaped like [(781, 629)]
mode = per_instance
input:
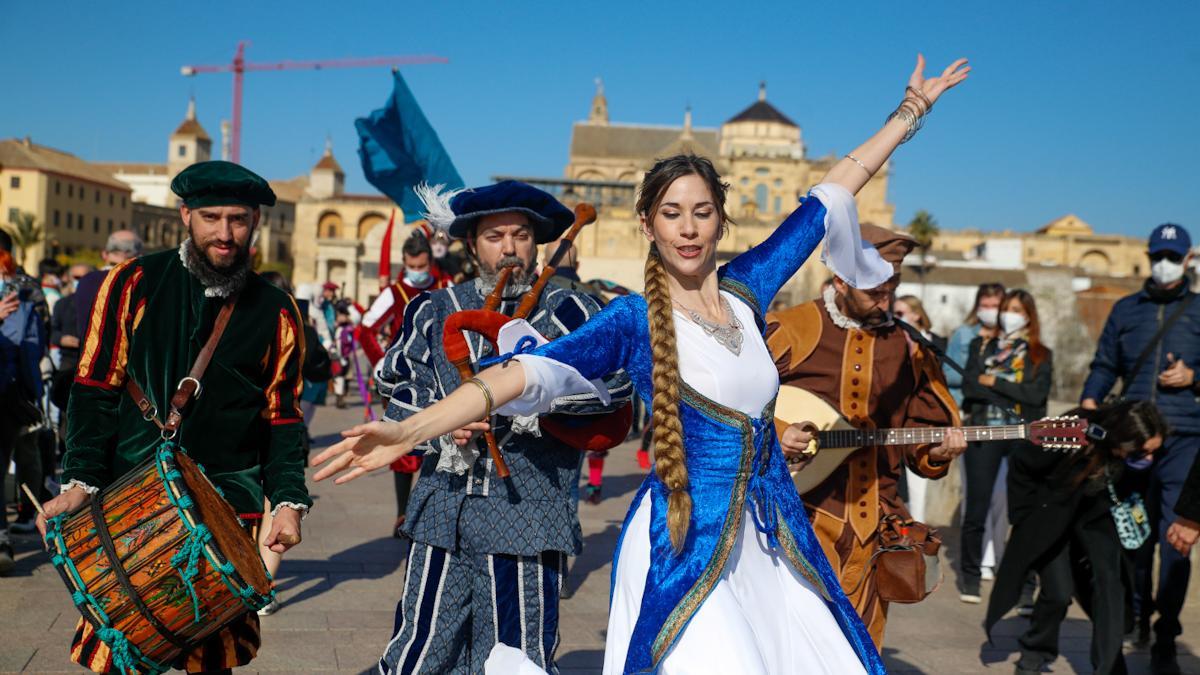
[(150, 320)]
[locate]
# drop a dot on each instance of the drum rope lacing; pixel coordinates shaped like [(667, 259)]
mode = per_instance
[(126, 657)]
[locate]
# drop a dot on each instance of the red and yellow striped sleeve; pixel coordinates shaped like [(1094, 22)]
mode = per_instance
[(114, 318), (285, 358)]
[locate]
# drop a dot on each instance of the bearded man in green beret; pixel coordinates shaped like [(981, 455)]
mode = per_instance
[(151, 318)]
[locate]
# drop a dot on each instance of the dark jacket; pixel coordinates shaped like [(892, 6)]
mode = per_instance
[(1031, 394), (1131, 325), (1188, 504), (1049, 512)]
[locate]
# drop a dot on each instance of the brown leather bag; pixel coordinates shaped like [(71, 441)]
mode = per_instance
[(906, 565)]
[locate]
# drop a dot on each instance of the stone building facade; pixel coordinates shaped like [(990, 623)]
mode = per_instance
[(76, 204), (759, 151), (338, 235)]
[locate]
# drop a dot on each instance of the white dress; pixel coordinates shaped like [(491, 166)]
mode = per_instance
[(762, 617)]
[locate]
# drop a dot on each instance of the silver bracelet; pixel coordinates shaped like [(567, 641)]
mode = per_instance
[(857, 161), (910, 118)]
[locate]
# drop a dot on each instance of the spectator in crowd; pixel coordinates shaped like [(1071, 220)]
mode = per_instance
[(910, 310), (64, 335), (1007, 381), (1063, 527), (1183, 533), (1151, 342), (981, 320), (50, 274), (122, 245), (21, 349)]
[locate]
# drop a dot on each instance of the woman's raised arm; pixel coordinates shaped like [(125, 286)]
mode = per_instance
[(856, 168)]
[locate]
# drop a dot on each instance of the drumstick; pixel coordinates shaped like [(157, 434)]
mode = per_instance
[(36, 504)]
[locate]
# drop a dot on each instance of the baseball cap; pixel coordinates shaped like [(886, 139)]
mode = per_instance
[(1170, 237)]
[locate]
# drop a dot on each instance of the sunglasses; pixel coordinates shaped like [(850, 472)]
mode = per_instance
[(1166, 255)]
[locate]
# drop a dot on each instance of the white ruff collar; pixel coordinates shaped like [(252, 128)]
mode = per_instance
[(841, 320)]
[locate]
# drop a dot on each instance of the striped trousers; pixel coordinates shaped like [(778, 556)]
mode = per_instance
[(457, 605)]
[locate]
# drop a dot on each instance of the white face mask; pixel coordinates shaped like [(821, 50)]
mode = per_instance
[(1165, 272), (1011, 322), (988, 317), (438, 249)]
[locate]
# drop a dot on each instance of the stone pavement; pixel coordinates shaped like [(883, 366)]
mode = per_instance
[(341, 585)]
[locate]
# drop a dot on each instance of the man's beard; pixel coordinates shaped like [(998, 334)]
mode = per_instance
[(218, 282), (518, 282)]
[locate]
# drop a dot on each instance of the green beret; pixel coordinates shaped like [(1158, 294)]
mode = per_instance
[(219, 183)]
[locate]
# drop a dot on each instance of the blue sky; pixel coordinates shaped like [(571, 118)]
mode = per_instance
[(1088, 108)]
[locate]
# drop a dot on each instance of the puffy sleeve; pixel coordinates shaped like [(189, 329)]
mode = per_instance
[(92, 419), (827, 212), (283, 463), (576, 363)]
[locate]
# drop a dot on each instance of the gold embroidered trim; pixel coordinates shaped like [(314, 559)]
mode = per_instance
[(805, 568), (691, 601)]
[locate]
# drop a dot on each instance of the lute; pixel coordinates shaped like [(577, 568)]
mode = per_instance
[(837, 439)]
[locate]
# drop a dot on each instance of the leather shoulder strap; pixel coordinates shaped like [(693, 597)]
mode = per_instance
[(189, 387)]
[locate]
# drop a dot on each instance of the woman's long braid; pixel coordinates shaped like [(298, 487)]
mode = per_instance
[(668, 431)]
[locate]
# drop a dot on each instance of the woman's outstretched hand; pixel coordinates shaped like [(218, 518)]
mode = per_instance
[(934, 87), (364, 448)]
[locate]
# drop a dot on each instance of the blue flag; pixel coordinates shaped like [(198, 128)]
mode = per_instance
[(400, 149)]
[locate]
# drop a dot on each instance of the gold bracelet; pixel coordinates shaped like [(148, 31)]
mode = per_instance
[(487, 394)]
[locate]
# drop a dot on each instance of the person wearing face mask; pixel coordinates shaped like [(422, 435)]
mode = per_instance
[(983, 319), (1151, 342), (1007, 381), (1064, 529), (384, 319)]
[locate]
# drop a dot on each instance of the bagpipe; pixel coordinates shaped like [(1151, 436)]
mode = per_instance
[(591, 432)]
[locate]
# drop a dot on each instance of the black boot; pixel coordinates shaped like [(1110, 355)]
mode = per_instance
[(1162, 658)]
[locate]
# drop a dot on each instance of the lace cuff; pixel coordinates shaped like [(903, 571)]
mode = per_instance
[(291, 505), (79, 484)]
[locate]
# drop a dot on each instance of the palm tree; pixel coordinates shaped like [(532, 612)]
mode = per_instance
[(26, 233), (923, 227)]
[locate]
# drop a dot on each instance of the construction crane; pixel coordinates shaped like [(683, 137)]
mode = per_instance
[(239, 68)]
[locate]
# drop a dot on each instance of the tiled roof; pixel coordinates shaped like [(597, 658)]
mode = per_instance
[(24, 154), (140, 168), (632, 141), (190, 127)]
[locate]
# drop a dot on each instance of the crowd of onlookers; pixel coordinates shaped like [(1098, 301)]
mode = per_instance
[(43, 321), (1046, 527)]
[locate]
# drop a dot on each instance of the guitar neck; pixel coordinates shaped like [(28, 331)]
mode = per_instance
[(856, 438)]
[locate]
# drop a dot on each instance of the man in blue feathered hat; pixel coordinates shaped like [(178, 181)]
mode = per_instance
[(488, 554)]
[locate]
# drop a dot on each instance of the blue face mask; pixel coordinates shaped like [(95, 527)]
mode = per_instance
[(416, 278)]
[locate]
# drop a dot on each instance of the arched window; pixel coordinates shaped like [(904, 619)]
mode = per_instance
[(329, 226), (760, 197), (367, 223)]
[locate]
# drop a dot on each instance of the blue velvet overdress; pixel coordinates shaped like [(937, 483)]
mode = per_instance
[(731, 458)]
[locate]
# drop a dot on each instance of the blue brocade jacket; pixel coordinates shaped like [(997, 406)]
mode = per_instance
[(730, 458)]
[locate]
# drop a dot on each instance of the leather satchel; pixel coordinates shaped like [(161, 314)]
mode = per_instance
[(906, 565)]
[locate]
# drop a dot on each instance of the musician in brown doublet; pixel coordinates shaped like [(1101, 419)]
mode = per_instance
[(845, 348)]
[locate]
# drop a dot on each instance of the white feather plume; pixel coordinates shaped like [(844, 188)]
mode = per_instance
[(436, 199)]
